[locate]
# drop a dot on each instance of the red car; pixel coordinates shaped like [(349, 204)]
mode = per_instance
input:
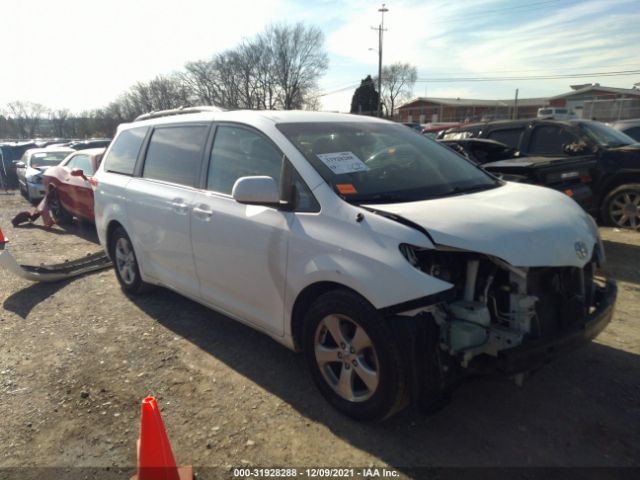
[(68, 186)]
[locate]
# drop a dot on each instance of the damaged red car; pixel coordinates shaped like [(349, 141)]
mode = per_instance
[(69, 188)]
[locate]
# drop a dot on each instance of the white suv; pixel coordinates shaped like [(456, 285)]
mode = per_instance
[(394, 264)]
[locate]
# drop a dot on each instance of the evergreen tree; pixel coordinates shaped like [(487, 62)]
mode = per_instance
[(365, 98)]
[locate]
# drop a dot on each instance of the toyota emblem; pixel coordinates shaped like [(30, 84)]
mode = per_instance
[(581, 250)]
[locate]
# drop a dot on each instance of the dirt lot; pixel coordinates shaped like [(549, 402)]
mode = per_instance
[(77, 357)]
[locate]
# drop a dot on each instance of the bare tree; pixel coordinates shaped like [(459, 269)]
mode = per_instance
[(59, 120), (278, 68), (299, 61), (26, 117), (398, 80)]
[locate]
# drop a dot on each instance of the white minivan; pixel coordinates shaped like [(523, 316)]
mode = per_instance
[(397, 266)]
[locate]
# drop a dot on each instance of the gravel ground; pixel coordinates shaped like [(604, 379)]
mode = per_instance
[(77, 357)]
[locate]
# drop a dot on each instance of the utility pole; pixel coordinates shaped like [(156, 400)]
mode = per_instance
[(515, 107), (380, 29)]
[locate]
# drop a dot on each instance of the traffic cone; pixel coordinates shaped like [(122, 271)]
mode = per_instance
[(155, 458), (3, 240)]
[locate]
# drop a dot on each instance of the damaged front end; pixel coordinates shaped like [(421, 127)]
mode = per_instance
[(502, 318)]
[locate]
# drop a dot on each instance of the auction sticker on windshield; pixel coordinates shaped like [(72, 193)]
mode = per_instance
[(342, 162)]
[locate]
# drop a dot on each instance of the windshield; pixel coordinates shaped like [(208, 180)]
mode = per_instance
[(604, 135), (384, 162), (47, 159)]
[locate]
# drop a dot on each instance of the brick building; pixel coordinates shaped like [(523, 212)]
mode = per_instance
[(586, 101), (426, 110)]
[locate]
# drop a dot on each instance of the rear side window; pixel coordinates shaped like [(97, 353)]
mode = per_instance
[(124, 151), (174, 154), (509, 136)]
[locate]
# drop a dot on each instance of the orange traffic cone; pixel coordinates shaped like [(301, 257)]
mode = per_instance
[(3, 240), (155, 458)]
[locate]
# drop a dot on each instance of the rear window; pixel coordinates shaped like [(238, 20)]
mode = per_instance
[(509, 136), (47, 159), (124, 151), (174, 154)]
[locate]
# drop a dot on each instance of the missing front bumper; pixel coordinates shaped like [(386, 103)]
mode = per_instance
[(533, 354)]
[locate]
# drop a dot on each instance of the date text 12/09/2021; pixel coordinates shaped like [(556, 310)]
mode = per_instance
[(318, 472)]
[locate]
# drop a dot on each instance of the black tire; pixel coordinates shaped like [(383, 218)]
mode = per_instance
[(621, 207), (59, 214), (348, 311), (125, 263)]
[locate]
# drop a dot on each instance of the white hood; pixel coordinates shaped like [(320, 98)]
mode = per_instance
[(524, 225)]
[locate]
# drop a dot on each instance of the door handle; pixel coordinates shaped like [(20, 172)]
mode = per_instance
[(203, 212), (180, 206)]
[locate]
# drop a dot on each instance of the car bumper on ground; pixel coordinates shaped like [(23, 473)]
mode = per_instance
[(531, 355)]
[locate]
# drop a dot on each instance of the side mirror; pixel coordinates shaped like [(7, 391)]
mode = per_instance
[(77, 172), (20, 164), (260, 190)]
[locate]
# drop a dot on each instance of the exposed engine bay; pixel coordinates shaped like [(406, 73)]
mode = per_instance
[(497, 306)]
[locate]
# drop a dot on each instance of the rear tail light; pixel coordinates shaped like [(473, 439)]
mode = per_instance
[(586, 178), (569, 192)]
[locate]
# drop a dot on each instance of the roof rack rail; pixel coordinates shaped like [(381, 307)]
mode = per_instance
[(177, 111)]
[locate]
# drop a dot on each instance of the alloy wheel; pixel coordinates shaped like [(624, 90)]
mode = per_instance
[(624, 209), (125, 261), (346, 357)]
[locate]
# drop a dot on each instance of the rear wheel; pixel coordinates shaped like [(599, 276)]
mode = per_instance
[(353, 357), (126, 263), (60, 214), (621, 207)]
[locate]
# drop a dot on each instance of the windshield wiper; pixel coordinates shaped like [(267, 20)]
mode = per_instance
[(473, 188), (378, 198)]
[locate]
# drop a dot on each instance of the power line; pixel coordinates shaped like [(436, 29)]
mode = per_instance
[(500, 79), (527, 78), (635, 65)]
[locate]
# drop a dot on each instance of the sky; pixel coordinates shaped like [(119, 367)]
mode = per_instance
[(82, 54)]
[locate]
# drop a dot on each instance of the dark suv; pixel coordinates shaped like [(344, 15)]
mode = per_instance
[(10, 153), (615, 176)]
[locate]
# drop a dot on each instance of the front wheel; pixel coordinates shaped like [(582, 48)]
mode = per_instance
[(60, 214), (353, 357), (621, 207), (126, 263)]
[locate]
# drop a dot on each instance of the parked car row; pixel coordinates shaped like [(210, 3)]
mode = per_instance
[(15, 159), (614, 172)]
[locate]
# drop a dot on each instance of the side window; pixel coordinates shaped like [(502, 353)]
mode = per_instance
[(303, 199), (549, 139), (174, 154), (83, 162), (509, 136), (240, 152), (124, 152)]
